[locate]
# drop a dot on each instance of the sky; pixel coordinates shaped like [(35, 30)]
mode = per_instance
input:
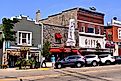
[(9, 8)]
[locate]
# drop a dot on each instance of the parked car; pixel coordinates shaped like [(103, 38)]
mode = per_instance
[(92, 59), (106, 59), (69, 61), (117, 59)]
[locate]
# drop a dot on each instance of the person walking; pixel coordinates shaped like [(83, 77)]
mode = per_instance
[(53, 60), (43, 62)]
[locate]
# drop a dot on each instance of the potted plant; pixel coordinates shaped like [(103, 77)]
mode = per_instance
[(32, 62)]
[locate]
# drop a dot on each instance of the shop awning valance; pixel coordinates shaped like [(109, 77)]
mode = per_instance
[(74, 50), (55, 50)]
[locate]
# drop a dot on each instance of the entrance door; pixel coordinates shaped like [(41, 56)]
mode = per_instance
[(12, 60)]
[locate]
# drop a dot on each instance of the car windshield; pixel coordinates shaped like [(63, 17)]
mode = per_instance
[(103, 56), (89, 56)]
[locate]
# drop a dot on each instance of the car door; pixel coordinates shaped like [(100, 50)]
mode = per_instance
[(70, 61), (118, 60)]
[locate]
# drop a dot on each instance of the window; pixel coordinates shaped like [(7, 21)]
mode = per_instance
[(58, 41), (90, 56), (82, 29), (97, 30), (58, 37), (90, 30), (24, 37), (119, 33)]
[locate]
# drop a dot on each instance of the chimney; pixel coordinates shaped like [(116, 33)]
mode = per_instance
[(38, 16)]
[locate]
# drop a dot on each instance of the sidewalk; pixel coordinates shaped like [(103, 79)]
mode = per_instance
[(48, 64)]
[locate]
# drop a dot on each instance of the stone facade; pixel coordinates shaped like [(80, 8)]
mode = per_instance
[(61, 19), (50, 31)]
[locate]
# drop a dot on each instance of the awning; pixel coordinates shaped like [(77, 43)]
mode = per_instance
[(67, 50), (55, 50), (58, 36), (74, 50)]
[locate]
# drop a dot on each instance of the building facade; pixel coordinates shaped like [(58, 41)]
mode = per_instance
[(113, 36), (89, 25), (28, 40)]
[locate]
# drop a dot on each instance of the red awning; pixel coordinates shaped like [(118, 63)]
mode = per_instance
[(58, 36), (67, 49), (55, 50), (74, 50)]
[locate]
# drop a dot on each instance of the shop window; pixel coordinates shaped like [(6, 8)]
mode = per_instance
[(24, 37)]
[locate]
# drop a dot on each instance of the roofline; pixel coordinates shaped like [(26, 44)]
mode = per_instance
[(100, 13), (75, 8)]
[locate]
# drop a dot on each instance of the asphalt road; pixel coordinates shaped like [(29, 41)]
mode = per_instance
[(99, 73)]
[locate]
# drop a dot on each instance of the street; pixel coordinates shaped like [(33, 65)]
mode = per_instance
[(99, 73)]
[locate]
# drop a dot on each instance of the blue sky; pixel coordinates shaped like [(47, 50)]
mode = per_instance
[(9, 8)]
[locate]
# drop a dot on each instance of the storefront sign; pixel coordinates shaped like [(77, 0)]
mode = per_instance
[(116, 22), (71, 36), (90, 42), (24, 48)]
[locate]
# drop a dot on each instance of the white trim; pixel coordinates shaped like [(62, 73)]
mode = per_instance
[(18, 47), (26, 38), (119, 33), (116, 23), (90, 22), (92, 34)]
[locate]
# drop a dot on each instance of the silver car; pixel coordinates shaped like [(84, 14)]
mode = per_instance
[(92, 59)]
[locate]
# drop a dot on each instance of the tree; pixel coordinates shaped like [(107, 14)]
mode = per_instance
[(7, 29), (46, 47)]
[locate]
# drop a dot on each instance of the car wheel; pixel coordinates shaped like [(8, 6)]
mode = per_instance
[(94, 63), (78, 65), (59, 66), (108, 63)]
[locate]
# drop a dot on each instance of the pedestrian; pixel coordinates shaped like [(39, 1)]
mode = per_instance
[(53, 60), (43, 62)]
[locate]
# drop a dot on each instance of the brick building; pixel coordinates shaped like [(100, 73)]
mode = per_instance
[(89, 26), (113, 36)]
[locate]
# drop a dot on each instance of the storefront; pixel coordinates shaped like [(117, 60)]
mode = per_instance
[(12, 54), (63, 51)]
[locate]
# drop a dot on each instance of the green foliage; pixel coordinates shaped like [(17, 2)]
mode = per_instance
[(32, 61), (46, 47), (7, 28), (23, 62)]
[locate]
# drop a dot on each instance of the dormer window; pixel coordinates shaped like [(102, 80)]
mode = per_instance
[(24, 37)]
